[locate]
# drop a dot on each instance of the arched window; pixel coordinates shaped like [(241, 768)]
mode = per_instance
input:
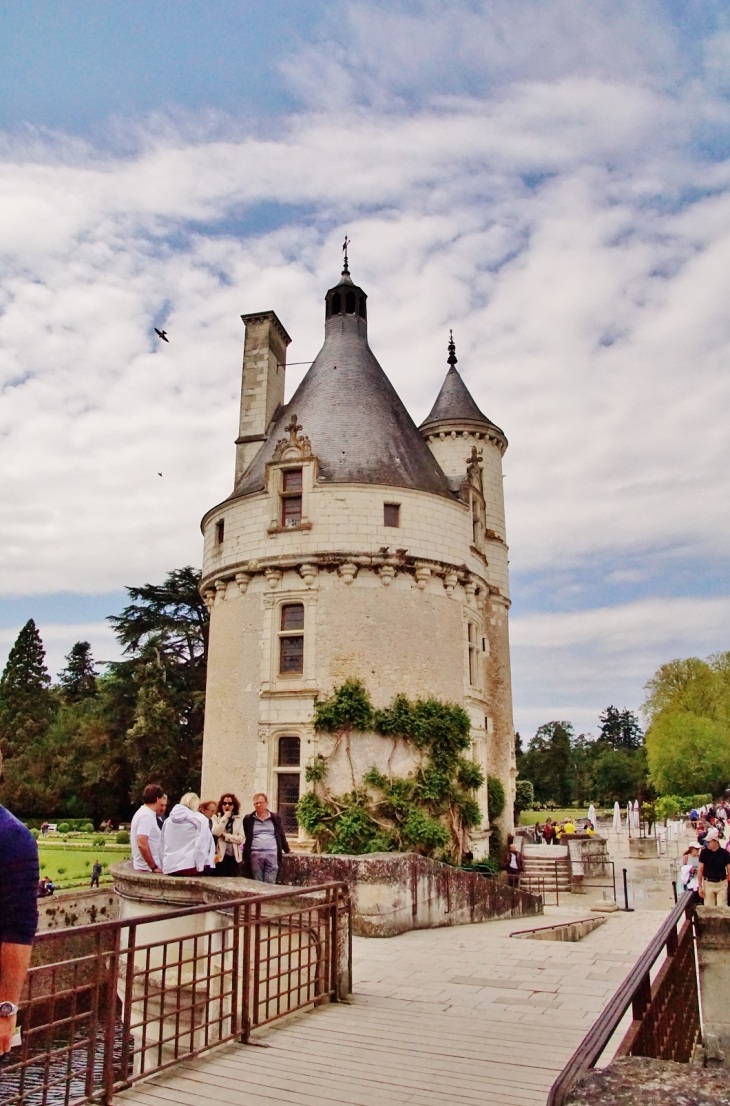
[(350, 303), (336, 303), (289, 752)]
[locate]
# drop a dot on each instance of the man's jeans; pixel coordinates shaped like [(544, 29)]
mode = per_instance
[(715, 893), (264, 867)]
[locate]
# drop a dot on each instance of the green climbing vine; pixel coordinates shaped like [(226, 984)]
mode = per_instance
[(430, 811)]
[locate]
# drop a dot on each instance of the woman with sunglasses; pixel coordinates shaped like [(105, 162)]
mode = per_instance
[(228, 831)]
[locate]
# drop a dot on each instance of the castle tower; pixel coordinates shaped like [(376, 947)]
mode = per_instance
[(469, 449), (349, 548)]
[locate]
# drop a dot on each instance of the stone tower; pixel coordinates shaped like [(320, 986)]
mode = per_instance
[(353, 544)]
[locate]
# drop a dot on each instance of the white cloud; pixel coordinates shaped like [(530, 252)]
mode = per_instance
[(553, 206), (572, 665)]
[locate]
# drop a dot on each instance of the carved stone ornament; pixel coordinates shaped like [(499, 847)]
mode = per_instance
[(348, 572), (273, 577), (423, 575), (243, 580), (450, 582), (221, 587), (308, 573), (386, 573), (470, 591), (293, 448), (209, 597), (474, 462)]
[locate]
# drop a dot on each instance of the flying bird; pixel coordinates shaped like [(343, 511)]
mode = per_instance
[(159, 474), (162, 334)]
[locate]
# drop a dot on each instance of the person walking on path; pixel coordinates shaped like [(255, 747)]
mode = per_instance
[(18, 916), (95, 874), (145, 830), (514, 865), (548, 832), (228, 831), (714, 874), (265, 841)]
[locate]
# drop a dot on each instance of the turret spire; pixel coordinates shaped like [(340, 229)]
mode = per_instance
[(452, 359), (346, 268)]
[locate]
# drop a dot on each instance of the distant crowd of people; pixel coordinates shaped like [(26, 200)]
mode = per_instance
[(551, 832), (706, 863), (206, 838)]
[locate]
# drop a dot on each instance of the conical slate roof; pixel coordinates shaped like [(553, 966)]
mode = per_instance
[(455, 403), (358, 427)]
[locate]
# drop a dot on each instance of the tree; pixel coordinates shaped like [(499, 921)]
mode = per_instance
[(687, 753), (620, 729), (524, 797), (548, 763), (165, 635), (78, 679), (26, 703), (619, 775)]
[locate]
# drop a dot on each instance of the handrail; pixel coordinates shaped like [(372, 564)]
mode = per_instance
[(202, 908), (589, 1050)]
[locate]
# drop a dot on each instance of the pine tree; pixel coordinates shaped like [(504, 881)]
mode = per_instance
[(26, 703), (78, 679), (620, 729)]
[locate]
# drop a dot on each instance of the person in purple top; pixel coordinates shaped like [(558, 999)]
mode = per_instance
[(18, 916)]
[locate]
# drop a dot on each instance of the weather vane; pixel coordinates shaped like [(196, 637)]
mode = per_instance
[(345, 244)]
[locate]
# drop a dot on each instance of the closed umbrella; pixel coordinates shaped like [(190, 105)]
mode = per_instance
[(592, 816), (617, 817), (637, 817)]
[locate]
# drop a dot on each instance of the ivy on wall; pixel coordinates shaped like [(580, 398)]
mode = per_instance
[(430, 811)]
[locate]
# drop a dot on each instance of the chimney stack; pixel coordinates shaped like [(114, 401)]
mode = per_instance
[(262, 385)]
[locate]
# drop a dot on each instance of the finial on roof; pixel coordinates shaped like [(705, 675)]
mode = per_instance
[(451, 359), (345, 244)]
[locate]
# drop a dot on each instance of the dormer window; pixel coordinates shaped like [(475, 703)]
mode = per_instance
[(291, 498)]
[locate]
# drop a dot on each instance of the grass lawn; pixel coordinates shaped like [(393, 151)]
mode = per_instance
[(70, 865), (529, 817)]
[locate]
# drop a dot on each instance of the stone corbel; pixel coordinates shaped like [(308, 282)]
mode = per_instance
[(450, 582), (470, 591), (309, 574), (423, 575), (273, 577), (209, 598), (348, 572), (386, 573), (243, 580), (221, 586)]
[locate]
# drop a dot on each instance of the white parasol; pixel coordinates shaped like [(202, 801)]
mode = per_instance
[(592, 817), (617, 817)]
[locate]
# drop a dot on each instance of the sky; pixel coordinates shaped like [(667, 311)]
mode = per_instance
[(552, 181)]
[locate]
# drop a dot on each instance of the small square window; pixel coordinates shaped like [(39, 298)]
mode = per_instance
[(220, 529), (292, 480), (291, 511), (391, 514), (292, 616)]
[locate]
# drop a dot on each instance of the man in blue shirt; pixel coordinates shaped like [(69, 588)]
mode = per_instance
[(18, 916)]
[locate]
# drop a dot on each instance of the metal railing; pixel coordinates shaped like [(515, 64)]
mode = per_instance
[(541, 885), (666, 1011), (125, 1000)]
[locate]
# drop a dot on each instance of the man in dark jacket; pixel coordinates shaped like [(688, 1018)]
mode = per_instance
[(18, 916), (264, 842)]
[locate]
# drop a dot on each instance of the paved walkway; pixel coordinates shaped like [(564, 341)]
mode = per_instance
[(466, 1015)]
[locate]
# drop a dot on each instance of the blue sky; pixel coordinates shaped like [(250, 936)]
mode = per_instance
[(550, 180)]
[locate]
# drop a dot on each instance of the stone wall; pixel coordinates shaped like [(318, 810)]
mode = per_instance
[(77, 908), (392, 893)]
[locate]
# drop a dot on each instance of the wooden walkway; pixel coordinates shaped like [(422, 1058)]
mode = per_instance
[(465, 1015)]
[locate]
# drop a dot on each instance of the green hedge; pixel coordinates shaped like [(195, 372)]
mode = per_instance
[(122, 838)]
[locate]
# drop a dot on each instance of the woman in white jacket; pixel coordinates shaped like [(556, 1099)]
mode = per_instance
[(186, 843), (228, 829)]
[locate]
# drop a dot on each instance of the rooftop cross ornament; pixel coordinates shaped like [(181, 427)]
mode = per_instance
[(451, 359), (293, 429), (345, 244)]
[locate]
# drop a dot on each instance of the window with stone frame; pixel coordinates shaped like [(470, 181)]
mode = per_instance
[(291, 497), (473, 652), (391, 514), (291, 639), (288, 783)]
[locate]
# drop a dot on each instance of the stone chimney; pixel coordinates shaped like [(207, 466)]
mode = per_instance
[(262, 385)]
